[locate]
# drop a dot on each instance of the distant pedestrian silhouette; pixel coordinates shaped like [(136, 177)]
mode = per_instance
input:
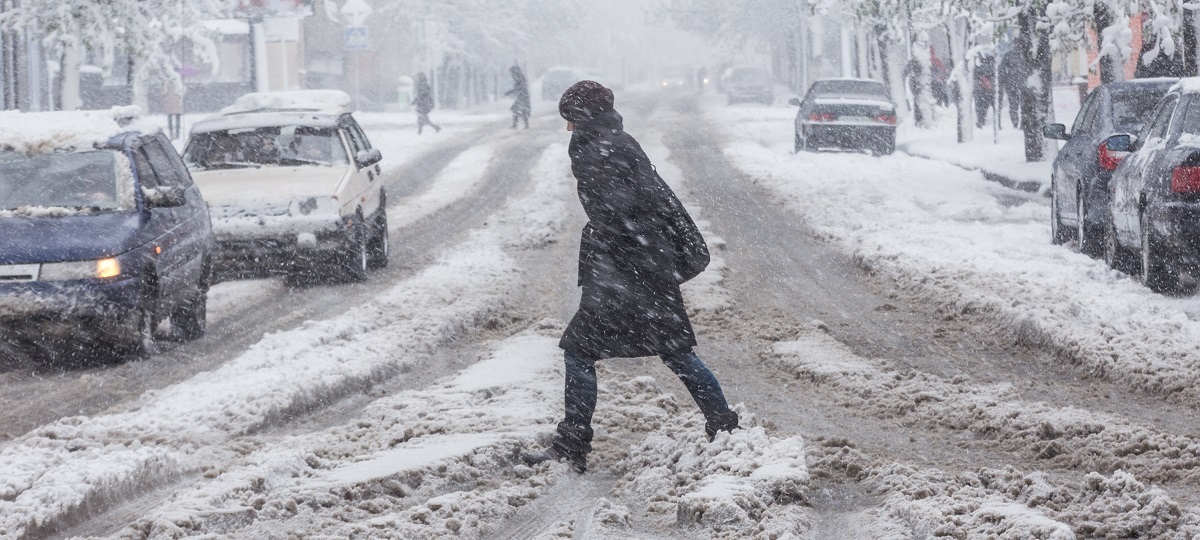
[(423, 100), (520, 94)]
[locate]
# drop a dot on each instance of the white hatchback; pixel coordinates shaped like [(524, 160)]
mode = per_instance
[(292, 184)]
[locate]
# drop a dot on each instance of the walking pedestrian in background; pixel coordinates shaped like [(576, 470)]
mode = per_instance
[(423, 102), (638, 246), (520, 94)]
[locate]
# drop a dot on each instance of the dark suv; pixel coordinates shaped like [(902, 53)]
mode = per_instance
[(101, 240), (1079, 182)]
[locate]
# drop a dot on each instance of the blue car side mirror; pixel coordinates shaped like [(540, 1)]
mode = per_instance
[(1121, 142)]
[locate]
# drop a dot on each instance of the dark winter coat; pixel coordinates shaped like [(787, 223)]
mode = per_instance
[(520, 93), (631, 304), (423, 98)]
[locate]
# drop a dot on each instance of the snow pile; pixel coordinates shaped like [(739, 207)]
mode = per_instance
[(1007, 503), (55, 473), (1004, 503), (1067, 438), (44, 132), (974, 247), (429, 463), (290, 100)]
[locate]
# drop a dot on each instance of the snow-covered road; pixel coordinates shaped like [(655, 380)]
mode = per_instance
[(934, 368)]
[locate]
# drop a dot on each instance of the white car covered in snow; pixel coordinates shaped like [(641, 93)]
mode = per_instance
[(292, 184)]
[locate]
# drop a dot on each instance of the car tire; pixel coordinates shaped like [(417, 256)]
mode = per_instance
[(797, 145), (352, 263), (1117, 257), (1157, 274), (1087, 240), (888, 147), (189, 320), (136, 334), (1058, 233), (380, 246)]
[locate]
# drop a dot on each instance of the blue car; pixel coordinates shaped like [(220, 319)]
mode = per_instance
[(102, 240), (1079, 206)]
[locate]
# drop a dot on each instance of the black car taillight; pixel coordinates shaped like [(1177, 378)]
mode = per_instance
[(1108, 158), (821, 117), (1185, 180), (889, 119)]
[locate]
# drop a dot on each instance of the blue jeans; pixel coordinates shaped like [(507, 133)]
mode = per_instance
[(575, 431)]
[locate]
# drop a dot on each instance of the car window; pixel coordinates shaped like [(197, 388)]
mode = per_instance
[(164, 167), (274, 145), (1157, 128), (145, 171), (1086, 114), (175, 158), (356, 145), (1131, 109), (362, 135), (849, 88), (97, 180), (1191, 119)]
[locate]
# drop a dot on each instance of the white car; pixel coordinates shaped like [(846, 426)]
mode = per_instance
[(292, 184)]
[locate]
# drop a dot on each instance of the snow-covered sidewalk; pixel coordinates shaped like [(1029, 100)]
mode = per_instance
[(998, 154)]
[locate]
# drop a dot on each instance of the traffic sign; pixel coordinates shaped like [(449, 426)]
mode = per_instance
[(355, 38)]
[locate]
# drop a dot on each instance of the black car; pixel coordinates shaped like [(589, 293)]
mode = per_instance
[(102, 241), (1154, 194), (854, 114), (1079, 183)]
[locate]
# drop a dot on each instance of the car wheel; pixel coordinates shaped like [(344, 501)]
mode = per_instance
[(380, 246), (1157, 274), (1087, 240), (1058, 234), (1116, 256), (888, 147), (137, 336), (798, 146), (352, 264), (190, 319)]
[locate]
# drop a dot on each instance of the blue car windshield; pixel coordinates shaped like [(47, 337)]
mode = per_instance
[(61, 182)]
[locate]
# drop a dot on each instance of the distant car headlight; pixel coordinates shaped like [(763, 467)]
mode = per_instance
[(64, 271)]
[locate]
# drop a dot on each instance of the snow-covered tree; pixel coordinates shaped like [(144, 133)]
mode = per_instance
[(143, 30)]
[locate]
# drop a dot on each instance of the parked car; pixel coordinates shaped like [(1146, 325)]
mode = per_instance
[(1154, 225), (293, 185), (104, 233), (1081, 172), (853, 114), (748, 83)]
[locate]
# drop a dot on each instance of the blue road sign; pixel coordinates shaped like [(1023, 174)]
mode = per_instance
[(355, 38)]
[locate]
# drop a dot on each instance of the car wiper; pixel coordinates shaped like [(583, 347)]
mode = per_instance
[(232, 165), (300, 161)]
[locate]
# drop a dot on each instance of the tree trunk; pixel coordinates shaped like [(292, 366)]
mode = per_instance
[(1037, 100), (920, 78), (69, 77), (1110, 69), (964, 70)]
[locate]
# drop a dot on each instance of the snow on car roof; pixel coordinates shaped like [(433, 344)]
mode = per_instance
[(852, 100), (316, 108), (332, 101), (266, 119), (42, 132), (1189, 85)]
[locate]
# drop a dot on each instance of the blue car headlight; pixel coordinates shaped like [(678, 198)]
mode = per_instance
[(95, 269)]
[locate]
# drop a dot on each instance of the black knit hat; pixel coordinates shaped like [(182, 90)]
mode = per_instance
[(585, 100)]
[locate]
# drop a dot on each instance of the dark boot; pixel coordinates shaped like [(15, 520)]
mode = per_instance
[(571, 444), (578, 462), (726, 421)]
